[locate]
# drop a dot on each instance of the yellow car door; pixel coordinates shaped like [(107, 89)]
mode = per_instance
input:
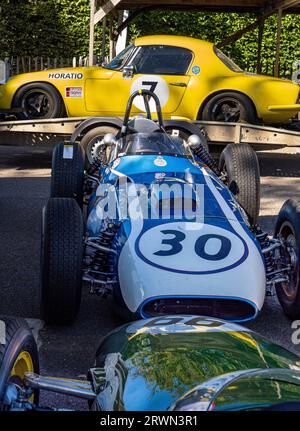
[(159, 68)]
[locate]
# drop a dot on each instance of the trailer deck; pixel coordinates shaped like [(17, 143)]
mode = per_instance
[(48, 132)]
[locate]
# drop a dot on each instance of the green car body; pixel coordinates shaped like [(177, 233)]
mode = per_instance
[(150, 364)]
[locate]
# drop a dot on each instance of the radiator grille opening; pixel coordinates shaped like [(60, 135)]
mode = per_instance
[(227, 309)]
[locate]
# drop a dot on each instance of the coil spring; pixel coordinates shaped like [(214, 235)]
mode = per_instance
[(264, 243), (102, 261), (95, 165), (201, 152)]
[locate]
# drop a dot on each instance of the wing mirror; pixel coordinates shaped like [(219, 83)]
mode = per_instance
[(128, 72), (109, 140), (194, 142)]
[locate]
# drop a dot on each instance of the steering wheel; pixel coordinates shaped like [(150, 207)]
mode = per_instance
[(146, 96)]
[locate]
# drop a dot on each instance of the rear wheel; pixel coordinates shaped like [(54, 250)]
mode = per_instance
[(18, 356), (239, 162), (61, 260), (91, 143), (67, 176), (288, 228), (229, 107), (39, 101)]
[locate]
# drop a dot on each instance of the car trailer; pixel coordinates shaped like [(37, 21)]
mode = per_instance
[(46, 133)]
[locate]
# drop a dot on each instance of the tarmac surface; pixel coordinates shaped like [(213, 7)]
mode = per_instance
[(70, 351)]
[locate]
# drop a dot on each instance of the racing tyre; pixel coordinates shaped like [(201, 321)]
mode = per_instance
[(39, 101), (18, 355), (91, 140), (61, 261), (229, 107), (288, 228), (240, 163), (67, 176)]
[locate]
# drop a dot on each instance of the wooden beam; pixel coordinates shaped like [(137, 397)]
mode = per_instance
[(105, 10), (92, 32), (103, 39), (280, 4), (259, 47), (278, 40), (112, 41)]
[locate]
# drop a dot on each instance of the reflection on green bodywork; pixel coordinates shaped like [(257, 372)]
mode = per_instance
[(252, 394), (150, 371)]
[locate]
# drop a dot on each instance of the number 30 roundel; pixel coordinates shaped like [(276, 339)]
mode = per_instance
[(194, 248), (154, 83)]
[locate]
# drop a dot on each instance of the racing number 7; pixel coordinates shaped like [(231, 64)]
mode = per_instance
[(151, 84)]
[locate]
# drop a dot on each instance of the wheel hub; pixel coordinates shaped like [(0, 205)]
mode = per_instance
[(290, 288), (36, 104), (227, 110)]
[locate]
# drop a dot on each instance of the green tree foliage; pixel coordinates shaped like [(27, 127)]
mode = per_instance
[(51, 28), (60, 28)]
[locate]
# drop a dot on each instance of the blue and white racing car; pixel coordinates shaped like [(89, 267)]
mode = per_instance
[(156, 227)]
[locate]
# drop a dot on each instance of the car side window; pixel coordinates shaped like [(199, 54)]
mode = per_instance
[(162, 60)]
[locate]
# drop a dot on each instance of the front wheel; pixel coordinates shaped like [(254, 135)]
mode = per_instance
[(240, 164), (18, 355), (229, 107), (61, 261), (288, 229), (67, 175)]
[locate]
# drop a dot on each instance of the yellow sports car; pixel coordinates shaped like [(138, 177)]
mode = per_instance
[(192, 79)]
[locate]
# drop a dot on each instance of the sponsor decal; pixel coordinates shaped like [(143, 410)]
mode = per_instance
[(68, 152), (196, 70), (160, 161), (74, 92), (154, 83), (65, 75), (160, 175), (191, 248), (116, 163)]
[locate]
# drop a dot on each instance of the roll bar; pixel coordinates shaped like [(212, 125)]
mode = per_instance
[(147, 94)]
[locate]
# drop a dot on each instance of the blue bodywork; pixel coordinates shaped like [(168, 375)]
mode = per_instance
[(142, 169)]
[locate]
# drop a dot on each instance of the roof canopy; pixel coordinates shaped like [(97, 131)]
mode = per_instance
[(209, 5)]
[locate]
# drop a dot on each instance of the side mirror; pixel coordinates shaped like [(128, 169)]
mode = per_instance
[(194, 142), (109, 140), (128, 72)]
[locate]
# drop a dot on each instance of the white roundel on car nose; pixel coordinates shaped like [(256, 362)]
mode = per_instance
[(154, 83), (190, 247)]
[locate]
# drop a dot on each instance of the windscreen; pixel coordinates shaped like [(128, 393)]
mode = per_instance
[(120, 59), (153, 143)]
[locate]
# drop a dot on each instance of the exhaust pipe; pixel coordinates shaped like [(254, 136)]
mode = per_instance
[(76, 388)]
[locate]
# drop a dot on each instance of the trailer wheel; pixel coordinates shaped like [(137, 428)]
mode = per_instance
[(39, 101), (18, 355), (91, 140), (239, 162), (67, 176), (288, 228), (61, 261)]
